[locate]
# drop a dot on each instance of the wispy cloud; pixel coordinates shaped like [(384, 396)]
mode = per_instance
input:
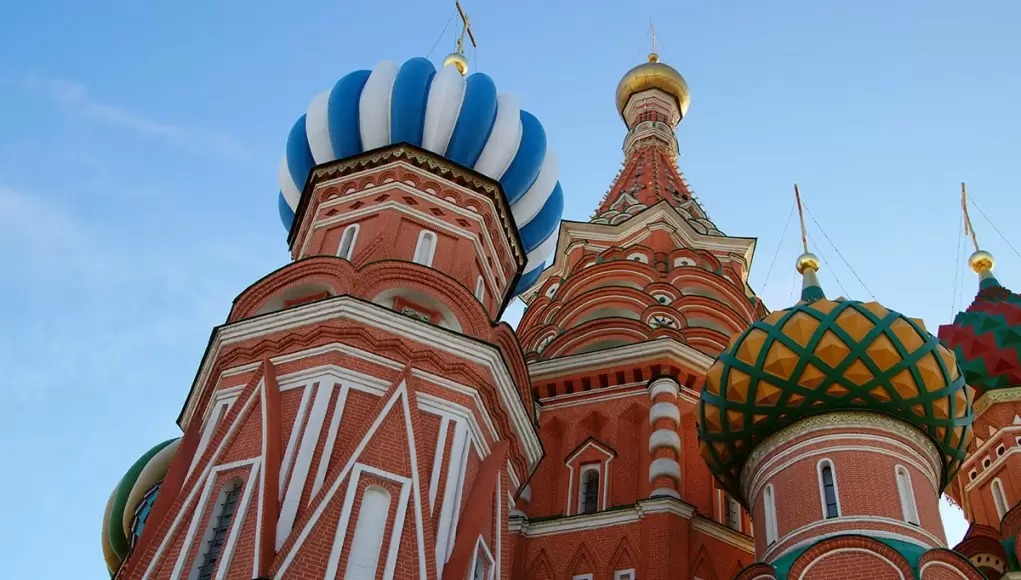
[(77, 98)]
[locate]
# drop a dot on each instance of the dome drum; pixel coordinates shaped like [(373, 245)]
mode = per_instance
[(461, 119), (823, 356)]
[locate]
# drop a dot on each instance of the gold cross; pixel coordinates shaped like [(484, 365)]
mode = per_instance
[(466, 27), (653, 28)]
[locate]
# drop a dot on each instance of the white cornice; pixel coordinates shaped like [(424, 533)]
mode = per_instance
[(348, 308), (573, 232), (615, 517), (688, 356)]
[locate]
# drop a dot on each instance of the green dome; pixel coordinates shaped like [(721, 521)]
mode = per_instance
[(821, 356), (131, 501)]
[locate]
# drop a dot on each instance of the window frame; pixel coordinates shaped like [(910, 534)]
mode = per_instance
[(480, 288), (583, 487), (820, 467), (482, 549), (728, 503), (620, 574), (431, 250), (906, 492), (999, 500), (354, 229), (769, 512), (233, 489)]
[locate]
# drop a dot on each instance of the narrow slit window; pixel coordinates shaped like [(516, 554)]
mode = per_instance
[(480, 289), (999, 498), (216, 537), (828, 484), (769, 508), (907, 495), (347, 242), (426, 248), (588, 494)]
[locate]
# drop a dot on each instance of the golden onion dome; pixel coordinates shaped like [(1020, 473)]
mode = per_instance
[(653, 75)]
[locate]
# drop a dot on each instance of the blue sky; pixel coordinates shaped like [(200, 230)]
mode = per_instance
[(140, 142)]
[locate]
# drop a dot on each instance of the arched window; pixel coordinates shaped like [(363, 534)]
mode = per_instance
[(347, 242), (426, 248), (999, 498), (368, 539), (480, 288), (828, 489), (907, 495), (215, 537), (769, 509), (733, 513), (588, 490)]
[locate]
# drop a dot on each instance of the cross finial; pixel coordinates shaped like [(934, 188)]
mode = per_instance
[(465, 28), (968, 228), (653, 29), (801, 216)]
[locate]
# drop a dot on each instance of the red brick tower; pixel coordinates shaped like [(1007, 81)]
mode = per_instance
[(362, 414), (618, 333), (987, 340), (839, 423)]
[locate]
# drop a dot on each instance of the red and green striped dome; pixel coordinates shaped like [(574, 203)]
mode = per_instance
[(987, 338)]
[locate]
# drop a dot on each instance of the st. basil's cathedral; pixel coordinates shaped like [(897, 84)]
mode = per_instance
[(363, 413)]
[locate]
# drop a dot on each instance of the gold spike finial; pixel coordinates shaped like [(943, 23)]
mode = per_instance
[(807, 260)]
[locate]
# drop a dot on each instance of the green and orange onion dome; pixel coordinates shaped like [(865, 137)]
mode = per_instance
[(987, 336), (821, 356), (131, 501)]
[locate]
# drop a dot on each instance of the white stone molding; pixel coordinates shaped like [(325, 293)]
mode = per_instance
[(664, 466), (664, 385), (664, 411), (664, 438)]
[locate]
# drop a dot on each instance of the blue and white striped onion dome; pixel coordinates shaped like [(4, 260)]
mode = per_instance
[(462, 119)]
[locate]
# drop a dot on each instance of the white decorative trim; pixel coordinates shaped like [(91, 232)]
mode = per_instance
[(238, 521), (526, 494), (797, 453), (481, 549), (303, 463), (686, 355), (993, 468), (664, 385), (292, 441), (353, 228), (858, 421), (171, 533), (218, 410), (906, 494), (349, 308), (1000, 501), (486, 246), (604, 519), (441, 444), (379, 383), (400, 394), (450, 508), (664, 438), (664, 466), (938, 564), (582, 577), (822, 557), (914, 534), (769, 512), (424, 254), (664, 411), (444, 408), (333, 563), (196, 518)]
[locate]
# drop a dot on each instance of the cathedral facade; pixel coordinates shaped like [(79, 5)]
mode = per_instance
[(363, 413)]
